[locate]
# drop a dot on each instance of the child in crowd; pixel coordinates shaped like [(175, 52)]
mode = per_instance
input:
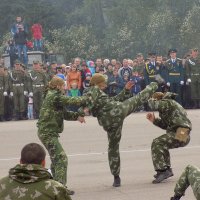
[(74, 92), (30, 108), (136, 79), (86, 82)]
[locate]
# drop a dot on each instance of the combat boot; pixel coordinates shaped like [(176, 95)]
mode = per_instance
[(162, 176), (1, 118), (175, 198), (117, 181), (158, 172)]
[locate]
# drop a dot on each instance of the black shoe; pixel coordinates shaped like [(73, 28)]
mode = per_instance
[(117, 181), (162, 176), (70, 192), (175, 198), (158, 172)]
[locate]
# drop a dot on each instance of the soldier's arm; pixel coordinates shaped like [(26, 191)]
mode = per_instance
[(65, 100), (71, 116), (158, 106), (6, 83)]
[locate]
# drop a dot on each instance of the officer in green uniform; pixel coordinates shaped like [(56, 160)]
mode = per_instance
[(36, 85), (172, 118), (111, 112), (18, 89), (190, 177), (192, 71), (3, 90), (30, 180)]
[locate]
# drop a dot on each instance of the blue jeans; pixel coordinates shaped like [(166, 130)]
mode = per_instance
[(22, 49), (38, 44)]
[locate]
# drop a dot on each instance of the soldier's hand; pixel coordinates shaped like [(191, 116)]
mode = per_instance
[(81, 119), (25, 93), (5, 94), (129, 85), (86, 111), (150, 117), (30, 94)]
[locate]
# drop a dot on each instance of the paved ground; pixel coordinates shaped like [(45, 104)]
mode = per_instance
[(88, 172)]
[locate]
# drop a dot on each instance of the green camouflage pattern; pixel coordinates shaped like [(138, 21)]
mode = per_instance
[(50, 124), (171, 116), (190, 176), (111, 112), (31, 182)]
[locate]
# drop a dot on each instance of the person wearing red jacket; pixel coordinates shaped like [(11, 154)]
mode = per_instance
[(37, 36)]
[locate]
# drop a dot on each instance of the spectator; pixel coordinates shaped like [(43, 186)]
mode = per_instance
[(37, 36), (17, 24), (91, 67), (30, 108), (86, 82), (74, 75), (125, 69), (20, 39), (30, 178), (59, 73), (12, 51)]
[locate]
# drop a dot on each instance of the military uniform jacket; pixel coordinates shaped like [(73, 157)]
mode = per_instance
[(175, 71), (104, 107), (4, 82), (36, 78), (150, 71), (31, 182), (53, 112), (18, 77), (172, 114), (192, 69)]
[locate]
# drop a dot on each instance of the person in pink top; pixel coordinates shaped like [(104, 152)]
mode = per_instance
[(37, 36)]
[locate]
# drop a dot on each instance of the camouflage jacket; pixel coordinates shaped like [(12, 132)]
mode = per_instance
[(53, 112), (26, 182), (172, 115)]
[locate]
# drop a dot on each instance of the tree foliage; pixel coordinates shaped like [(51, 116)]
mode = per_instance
[(108, 28)]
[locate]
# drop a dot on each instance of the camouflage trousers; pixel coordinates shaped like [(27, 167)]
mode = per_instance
[(114, 124), (190, 176), (57, 155), (160, 150)]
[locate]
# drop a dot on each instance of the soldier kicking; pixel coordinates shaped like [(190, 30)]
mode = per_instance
[(111, 112)]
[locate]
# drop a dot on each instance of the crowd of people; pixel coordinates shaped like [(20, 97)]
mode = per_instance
[(22, 89)]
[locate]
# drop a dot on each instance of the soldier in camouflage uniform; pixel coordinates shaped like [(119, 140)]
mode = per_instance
[(190, 176), (3, 90), (52, 114), (36, 84), (192, 70), (18, 89), (111, 112), (172, 118), (30, 180)]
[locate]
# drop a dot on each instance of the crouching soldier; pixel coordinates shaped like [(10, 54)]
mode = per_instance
[(172, 118)]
